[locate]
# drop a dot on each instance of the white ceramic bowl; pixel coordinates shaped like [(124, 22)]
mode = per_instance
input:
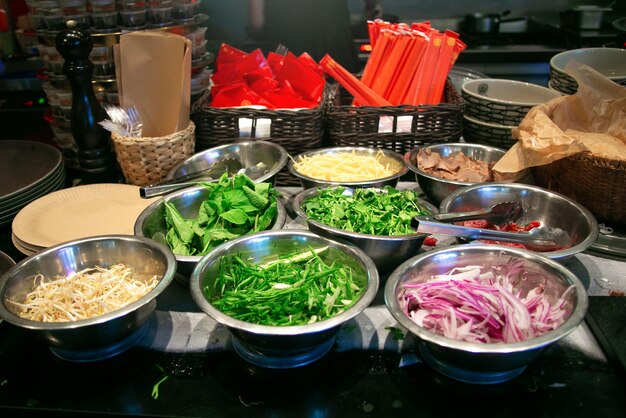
[(504, 102), (486, 133), (610, 62)]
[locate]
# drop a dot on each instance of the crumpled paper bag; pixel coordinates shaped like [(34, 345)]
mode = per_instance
[(592, 120)]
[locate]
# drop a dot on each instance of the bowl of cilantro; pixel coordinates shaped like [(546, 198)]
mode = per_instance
[(377, 220), (193, 221), (283, 295)]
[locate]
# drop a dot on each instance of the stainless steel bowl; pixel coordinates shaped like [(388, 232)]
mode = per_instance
[(249, 153), (388, 157), (387, 252), (437, 188), (476, 362), (151, 222), (6, 262), (287, 346), (549, 208), (106, 335)]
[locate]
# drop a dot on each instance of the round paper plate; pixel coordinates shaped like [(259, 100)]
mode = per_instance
[(80, 212)]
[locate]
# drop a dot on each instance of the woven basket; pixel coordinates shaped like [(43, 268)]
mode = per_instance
[(359, 125), (295, 130), (148, 160), (597, 183)]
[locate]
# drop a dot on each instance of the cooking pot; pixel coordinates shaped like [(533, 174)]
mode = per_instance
[(482, 22)]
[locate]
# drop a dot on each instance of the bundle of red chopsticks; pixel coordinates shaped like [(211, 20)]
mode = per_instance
[(275, 82), (408, 65)]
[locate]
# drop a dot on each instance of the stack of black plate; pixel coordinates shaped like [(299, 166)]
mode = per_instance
[(28, 170)]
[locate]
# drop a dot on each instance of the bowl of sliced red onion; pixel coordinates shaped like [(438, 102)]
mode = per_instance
[(482, 313)]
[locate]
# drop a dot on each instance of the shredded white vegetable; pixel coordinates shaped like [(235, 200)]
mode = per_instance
[(345, 166), (85, 294)]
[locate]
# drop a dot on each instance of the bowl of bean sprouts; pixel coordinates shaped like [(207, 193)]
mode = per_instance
[(88, 299), (482, 313)]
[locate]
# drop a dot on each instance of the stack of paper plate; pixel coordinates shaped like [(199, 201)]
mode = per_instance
[(28, 170), (77, 212)]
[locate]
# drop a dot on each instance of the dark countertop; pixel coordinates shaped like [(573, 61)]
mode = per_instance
[(564, 381)]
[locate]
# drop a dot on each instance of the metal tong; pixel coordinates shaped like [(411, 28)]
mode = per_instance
[(228, 165), (542, 238)]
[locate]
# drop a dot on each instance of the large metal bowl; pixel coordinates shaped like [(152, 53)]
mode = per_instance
[(437, 188), (551, 209), (386, 251), (106, 335), (393, 159), (286, 346), (269, 156), (151, 222), (485, 363)]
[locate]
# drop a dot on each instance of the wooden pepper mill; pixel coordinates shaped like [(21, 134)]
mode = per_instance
[(95, 155)]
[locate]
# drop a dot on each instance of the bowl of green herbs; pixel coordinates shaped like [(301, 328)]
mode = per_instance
[(193, 221), (377, 220), (283, 295)]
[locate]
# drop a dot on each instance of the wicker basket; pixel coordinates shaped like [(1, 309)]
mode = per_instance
[(148, 160), (359, 126), (295, 130), (597, 183)]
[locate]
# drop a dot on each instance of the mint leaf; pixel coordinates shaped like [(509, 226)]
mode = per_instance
[(235, 216)]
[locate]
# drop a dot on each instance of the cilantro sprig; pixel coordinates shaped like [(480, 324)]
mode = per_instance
[(234, 207), (385, 211)]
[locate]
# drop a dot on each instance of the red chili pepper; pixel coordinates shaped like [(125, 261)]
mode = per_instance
[(430, 241)]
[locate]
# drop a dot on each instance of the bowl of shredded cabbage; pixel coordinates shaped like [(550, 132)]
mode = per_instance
[(348, 166), (283, 294), (88, 299), (482, 313)]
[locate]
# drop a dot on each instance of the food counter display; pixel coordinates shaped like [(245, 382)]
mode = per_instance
[(183, 365)]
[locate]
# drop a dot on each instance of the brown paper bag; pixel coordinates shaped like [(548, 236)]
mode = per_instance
[(592, 120), (154, 75)]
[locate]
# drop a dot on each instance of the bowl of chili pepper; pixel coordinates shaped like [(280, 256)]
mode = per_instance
[(542, 208), (283, 294)]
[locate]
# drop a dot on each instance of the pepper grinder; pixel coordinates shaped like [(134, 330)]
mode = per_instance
[(95, 155)]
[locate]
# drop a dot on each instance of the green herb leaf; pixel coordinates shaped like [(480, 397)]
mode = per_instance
[(182, 227), (235, 216), (257, 200)]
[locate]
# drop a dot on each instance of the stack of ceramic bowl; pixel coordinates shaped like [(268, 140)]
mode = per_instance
[(28, 170), (493, 107), (610, 62)]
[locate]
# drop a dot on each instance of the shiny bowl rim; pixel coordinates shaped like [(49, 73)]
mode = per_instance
[(164, 282), (371, 150), (411, 155), (561, 254), (576, 317), (307, 193), (466, 85), (281, 218), (593, 50), (279, 165), (373, 282)]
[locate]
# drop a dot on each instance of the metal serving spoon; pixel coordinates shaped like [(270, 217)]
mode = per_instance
[(501, 213)]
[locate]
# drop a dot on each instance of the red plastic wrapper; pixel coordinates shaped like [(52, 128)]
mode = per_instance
[(275, 82), (227, 55), (238, 94)]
